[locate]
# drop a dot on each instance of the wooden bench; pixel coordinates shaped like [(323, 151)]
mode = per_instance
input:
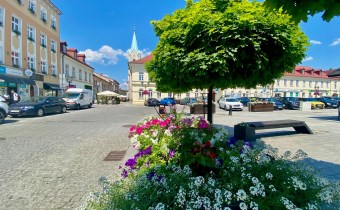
[(246, 130)]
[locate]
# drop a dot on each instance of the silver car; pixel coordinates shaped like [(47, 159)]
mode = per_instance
[(3, 109)]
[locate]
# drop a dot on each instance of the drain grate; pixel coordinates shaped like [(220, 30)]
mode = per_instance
[(127, 126), (115, 156)]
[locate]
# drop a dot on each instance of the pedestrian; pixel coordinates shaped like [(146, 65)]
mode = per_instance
[(13, 97)]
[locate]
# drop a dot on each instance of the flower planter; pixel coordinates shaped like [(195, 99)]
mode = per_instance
[(198, 109), (261, 107)]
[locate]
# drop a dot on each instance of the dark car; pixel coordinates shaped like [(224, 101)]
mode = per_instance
[(278, 105), (167, 101), (151, 102), (245, 101), (290, 102), (328, 103), (38, 106), (188, 100)]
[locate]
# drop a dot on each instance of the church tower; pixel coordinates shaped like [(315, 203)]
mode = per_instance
[(134, 53)]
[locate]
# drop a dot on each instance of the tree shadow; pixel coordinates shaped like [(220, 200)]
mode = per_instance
[(9, 121), (329, 170)]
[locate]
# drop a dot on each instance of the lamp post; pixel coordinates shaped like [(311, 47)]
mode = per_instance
[(69, 80)]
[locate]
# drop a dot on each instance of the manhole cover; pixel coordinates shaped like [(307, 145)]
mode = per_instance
[(115, 156), (127, 126)]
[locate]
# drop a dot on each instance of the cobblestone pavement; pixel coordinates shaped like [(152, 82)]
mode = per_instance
[(53, 162)]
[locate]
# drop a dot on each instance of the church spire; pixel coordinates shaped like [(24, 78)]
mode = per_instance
[(134, 53)]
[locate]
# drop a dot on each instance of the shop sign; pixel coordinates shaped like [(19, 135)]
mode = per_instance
[(37, 77), (4, 84), (22, 85), (14, 72), (28, 72), (2, 70), (12, 84)]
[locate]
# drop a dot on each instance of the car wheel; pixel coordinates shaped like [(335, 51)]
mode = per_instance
[(90, 105), (2, 116), (40, 112), (63, 109)]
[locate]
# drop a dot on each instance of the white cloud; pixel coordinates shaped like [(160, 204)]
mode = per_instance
[(105, 55), (307, 59), (335, 42), (124, 86), (315, 42)]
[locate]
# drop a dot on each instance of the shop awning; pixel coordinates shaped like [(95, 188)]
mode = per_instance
[(16, 80), (49, 86)]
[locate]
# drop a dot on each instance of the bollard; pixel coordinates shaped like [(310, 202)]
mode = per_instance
[(230, 110)]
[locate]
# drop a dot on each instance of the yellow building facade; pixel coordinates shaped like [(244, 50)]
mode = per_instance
[(29, 41)]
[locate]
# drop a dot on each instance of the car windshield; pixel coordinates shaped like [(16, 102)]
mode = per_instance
[(327, 100), (71, 95), (34, 100), (232, 100)]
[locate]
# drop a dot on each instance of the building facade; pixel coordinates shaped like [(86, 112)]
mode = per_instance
[(29, 37), (75, 73), (104, 83)]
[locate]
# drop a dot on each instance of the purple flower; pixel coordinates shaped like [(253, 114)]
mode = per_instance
[(172, 153), (247, 143), (159, 178), (131, 163), (231, 141), (124, 173), (147, 151), (151, 175)]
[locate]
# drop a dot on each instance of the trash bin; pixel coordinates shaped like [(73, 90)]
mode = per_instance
[(161, 109)]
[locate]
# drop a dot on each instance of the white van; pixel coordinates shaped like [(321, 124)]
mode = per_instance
[(77, 98)]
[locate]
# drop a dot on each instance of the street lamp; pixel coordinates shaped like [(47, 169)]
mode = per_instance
[(69, 80)]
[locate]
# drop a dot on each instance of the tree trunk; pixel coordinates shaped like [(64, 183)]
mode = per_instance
[(210, 110)]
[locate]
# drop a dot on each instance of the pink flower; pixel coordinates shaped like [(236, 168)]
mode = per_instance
[(132, 128), (139, 130)]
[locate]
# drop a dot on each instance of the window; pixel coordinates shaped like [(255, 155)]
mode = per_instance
[(327, 84), (196, 94), (179, 95), (304, 83), (19, 2), (278, 82), (80, 74), (54, 72), (16, 25), (67, 70), (43, 39), (141, 76), (85, 77), (187, 94), (53, 22), (31, 33), (321, 84), (31, 63), (310, 83), (169, 95), (335, 85), (53, 46), (16, 59), (31, 6), (43, 15), (297, 83), (73, 72), (150, 93), (43, 67), (90, 77), (140, 93), (1, 16), (285, 83), (291, 83), (159, 94)]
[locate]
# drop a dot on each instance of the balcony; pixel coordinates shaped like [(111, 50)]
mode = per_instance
[(43, 45), (44, 72), (44, 19), (53, 50), (53, 26), (17, 32), (31, 39)]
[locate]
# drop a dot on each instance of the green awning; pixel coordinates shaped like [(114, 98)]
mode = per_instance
[(16, 80)]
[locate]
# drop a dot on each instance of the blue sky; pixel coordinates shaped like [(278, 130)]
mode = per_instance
[(103, 29)]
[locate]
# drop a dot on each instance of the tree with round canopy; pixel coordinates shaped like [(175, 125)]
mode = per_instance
[(211, 43)]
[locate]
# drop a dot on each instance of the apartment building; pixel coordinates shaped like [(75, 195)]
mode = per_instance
[(75, 72), (103, 83), (29, 37)]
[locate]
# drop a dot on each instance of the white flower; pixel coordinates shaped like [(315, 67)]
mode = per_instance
[(241, 195), (155, 133), (253, 190), (272, 188), (326, 196), (255, 180), (243, 206), (180, 197), (298, 184), (254, 205), (269, 176), (234, 159), (227, 196)]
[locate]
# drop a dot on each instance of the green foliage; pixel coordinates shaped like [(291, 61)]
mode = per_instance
[(207, 44), (300, 9)]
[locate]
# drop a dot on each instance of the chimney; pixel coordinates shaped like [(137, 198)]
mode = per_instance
[(72, 52), (63, 47)]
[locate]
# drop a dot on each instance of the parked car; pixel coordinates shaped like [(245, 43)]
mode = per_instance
[(167, 101), (245, 101), (314, 103), (290, 102), (227, 102), (201, 99), (3, 109), (278, 105), (188, 100), (38, 106), (329, 103), (151, 102)]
